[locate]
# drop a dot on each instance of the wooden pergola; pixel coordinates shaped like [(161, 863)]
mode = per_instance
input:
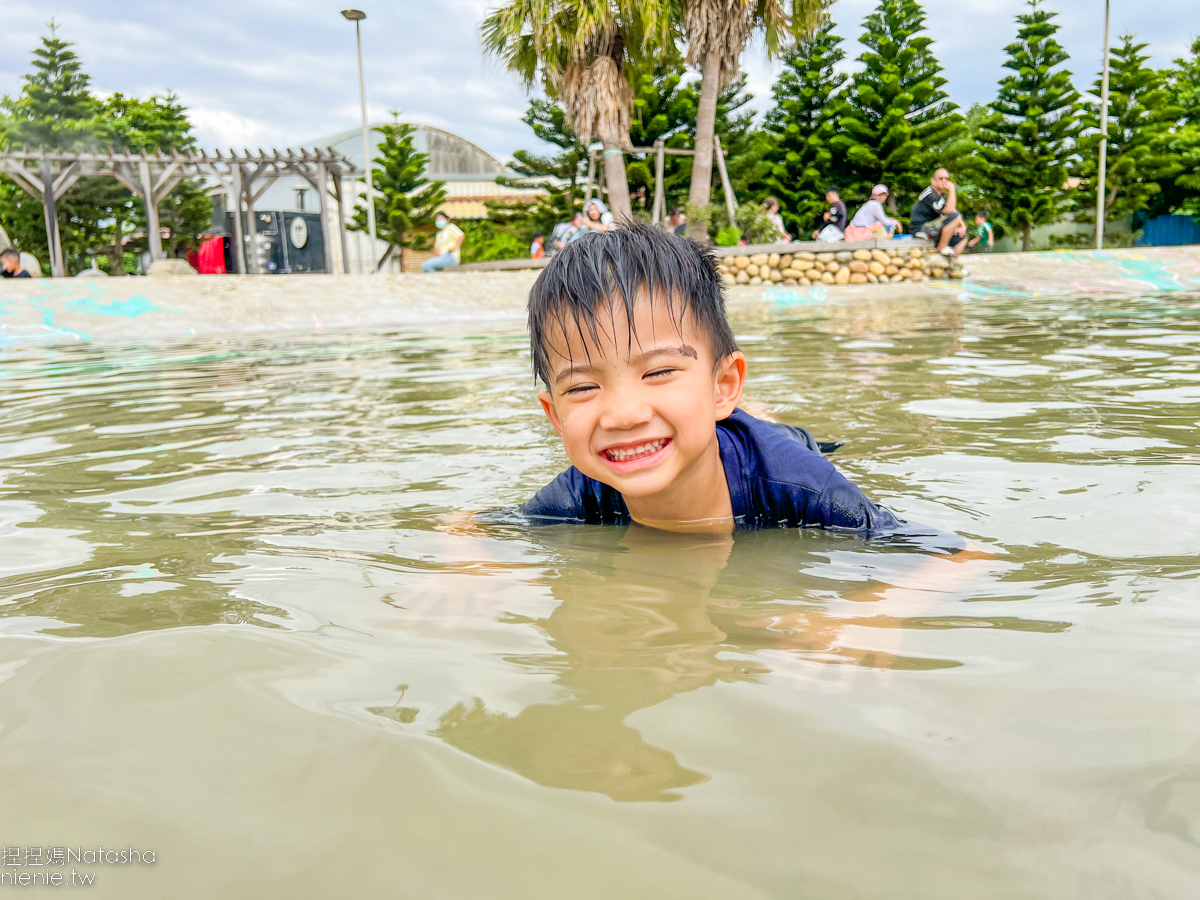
[(47, 175)]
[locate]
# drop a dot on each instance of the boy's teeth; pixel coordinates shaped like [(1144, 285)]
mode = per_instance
[(640, 450)]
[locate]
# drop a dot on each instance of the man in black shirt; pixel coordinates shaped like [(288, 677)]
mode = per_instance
[(835, 215), (10, 264), (935, 216)]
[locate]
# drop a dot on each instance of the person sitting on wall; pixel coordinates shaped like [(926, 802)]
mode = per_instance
[(936, 216), (563, 232), (984, 238), (538, 248), (872, 221), (771, 205), (676, 221), (447, 246), (835, 218), (10, 264)]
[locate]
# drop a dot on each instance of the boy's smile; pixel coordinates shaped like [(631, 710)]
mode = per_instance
[(637, 410), (630, 456)]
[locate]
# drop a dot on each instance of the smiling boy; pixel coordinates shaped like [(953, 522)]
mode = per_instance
[(642, 380)]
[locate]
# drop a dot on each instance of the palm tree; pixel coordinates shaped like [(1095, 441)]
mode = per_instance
[(717, 32), (580, 51)]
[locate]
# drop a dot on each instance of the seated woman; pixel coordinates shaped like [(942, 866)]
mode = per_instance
[(871, 219), (596, 217), (771, 208)]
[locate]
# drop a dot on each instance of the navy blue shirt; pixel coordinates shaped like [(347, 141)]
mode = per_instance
[(777, 479)]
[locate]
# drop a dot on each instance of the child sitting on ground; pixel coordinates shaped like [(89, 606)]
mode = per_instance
[(643, 379)]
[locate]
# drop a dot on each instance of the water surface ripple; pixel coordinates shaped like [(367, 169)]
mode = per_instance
[(244, 619)]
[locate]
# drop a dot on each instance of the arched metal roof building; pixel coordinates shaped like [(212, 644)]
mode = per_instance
[(469, 171), (451, 158)]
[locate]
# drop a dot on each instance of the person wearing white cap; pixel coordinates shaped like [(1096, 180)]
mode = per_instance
[(871, 218)]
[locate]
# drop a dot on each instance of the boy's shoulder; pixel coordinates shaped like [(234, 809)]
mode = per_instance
[(771, 449), (782, 478), (574, 497)]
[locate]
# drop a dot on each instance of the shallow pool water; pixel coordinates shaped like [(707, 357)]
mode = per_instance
[(244, 625)]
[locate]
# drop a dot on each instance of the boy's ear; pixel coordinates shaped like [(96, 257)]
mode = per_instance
[(730, 380), (547, 402)]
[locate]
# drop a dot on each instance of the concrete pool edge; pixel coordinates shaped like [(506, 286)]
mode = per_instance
[(137, 309)]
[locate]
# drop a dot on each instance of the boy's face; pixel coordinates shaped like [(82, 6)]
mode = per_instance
[(979, 220), (831, 197), (640, 415)]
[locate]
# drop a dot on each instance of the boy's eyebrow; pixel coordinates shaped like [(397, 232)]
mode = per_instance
[(682, 350)]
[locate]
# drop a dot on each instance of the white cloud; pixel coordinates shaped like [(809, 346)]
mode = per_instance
[(229, 130), (277, 72)]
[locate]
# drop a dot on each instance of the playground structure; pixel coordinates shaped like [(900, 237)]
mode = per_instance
[(48, 175)]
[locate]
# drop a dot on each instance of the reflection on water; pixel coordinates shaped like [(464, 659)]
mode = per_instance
[(629, 631), (289, 509)]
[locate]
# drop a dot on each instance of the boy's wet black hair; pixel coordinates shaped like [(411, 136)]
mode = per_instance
[(593, 275)]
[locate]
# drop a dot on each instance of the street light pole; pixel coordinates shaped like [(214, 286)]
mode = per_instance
[(356, 16), (1103, 161)]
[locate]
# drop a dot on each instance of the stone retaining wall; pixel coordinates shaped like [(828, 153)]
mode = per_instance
[(879, 265)]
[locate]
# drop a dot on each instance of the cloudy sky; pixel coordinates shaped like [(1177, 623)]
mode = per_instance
[(267, 73)]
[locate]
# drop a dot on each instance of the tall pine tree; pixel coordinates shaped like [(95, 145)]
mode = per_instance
[(511, 224), (1184, 81), (1027, 144), (801, 162), (1140, 125), (408, 201), (55, 108), (1183, 195), (897, 113)]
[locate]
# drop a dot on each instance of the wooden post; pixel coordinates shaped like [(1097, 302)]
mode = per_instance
[(660, 198), (251, 226), (730, 200), (337, 188), (153, 231), (323, 200), (239, 240), (58, 268)]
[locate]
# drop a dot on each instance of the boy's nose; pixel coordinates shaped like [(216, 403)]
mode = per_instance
[(624, 409)]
